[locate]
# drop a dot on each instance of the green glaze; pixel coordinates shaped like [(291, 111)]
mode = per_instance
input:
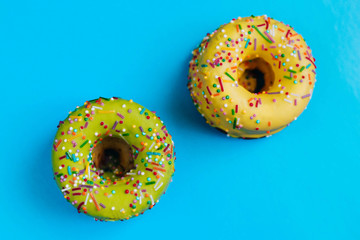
[(71, 157)]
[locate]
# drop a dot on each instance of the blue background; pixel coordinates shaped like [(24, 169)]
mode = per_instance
[(302, 183)]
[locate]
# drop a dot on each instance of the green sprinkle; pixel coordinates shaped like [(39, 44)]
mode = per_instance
[(233, 111), (68, 155), (125, 134), (291, 71), (227, 74), (234, 123), (84, 143), (288, 77), (261, 34), (302, 68), (240, 27), (149, 183)]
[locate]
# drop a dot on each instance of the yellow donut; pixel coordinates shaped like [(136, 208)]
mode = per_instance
[(252, 77)]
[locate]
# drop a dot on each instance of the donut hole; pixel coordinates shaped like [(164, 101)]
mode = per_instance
[(255, 75), (113, 157)]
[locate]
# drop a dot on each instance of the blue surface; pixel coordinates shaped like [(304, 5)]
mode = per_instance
[(302, 183)]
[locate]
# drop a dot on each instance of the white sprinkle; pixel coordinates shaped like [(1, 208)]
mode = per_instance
[(151, 145), (159, 186), (152, 199), (287, 100), (157, 182), (87, 197), (160, 174), (97, 107), (65, 189)]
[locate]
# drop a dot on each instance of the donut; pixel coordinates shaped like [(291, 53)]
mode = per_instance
[(251, 77), (112, 159)]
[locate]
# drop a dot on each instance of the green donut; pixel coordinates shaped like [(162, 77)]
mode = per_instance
[(112, 159)]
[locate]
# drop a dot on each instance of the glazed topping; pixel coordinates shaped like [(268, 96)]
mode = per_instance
[(112, 158), (246, 70)]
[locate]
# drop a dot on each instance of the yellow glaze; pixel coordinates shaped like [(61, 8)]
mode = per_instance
[(225, 96)]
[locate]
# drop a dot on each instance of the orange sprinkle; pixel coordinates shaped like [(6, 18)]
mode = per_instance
[(160, 169), (75, 136), (203, 73), (281, 30), (228, 48), (58, 143), (95, 202), (101, 111)]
